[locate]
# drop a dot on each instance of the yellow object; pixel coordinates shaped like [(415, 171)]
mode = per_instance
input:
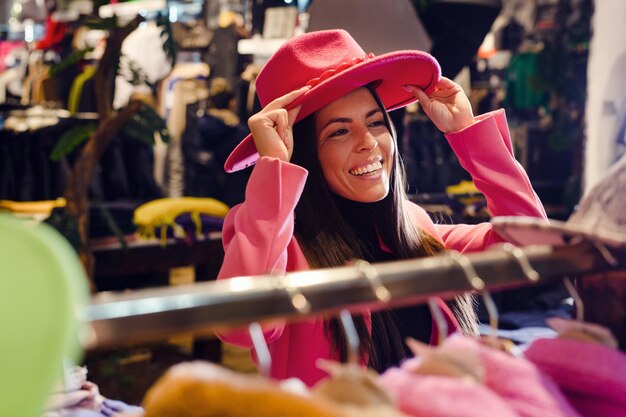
[(32, 207), (227, 18), (162, 214), (465, 188), (76, 91)]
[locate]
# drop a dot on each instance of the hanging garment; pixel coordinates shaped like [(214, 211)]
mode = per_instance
[(74, 100), (217, 391), (31, 175), (206, 143), (522, 89), (126, 171), (7, 49), (355, 390), (169, 165), (516, 381), (222, 55), (430, 163), (182, 71), (54, 33), (591, 375), (11, 79), (7, 77), (184, 92), (143, 51), (248, 101), (191, 35), (529, 392), (441, 396)]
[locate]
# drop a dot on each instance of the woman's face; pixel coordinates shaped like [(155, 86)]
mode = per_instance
[(355, 147)]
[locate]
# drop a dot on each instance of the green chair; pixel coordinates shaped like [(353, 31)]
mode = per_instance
[(42, 285)]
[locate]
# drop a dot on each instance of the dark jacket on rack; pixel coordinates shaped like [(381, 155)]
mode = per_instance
[(207, 142)]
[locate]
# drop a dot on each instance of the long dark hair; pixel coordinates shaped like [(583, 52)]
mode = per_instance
[(329, 240)]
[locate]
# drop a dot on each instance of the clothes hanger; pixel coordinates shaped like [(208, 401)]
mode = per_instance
[(562, 326), (443, 360), (352, 386), (523, 261), (296, 298), (478, 284), (371, 274), (299, 303), (352, 337), (577, 328), (604, 251), (532, 275), (261, 349), (440, 320), (578, 301)]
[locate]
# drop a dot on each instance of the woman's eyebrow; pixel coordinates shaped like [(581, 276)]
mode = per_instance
[(336, 120), (372, 112), (348, 120)]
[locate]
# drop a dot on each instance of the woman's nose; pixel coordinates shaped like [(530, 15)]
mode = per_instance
[(367, 142)]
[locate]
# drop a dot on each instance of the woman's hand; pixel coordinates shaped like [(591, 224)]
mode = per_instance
[(271, 128), (447, 106)]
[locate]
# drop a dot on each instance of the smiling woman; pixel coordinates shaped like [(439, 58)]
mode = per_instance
[(355, 149), (328, 187)]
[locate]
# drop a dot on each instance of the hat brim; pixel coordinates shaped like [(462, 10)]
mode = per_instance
[(526, 231), (390, 72)]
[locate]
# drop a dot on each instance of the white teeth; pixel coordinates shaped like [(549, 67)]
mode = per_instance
[(367, 169)]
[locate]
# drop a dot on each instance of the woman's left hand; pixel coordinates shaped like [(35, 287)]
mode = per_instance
[(447, 105)]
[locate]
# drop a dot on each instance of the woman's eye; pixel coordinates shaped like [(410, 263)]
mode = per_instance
[(377, 123), (339, 132)]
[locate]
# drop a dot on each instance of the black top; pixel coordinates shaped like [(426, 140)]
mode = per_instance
[(391, 324)]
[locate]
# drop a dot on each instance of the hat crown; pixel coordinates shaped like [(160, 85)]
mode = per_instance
[(302, 59)]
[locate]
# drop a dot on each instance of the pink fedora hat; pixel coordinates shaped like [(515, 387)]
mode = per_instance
[(333, 64)]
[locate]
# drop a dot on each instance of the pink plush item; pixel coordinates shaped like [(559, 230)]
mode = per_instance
[(437, 396), (516, 380), (332, 64), (591, 375)]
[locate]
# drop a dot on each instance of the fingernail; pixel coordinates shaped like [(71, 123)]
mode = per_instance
[(408, 88)]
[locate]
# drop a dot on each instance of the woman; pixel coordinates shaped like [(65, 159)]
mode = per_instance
[(328, 186)]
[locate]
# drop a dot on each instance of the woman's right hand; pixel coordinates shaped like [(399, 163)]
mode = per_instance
[(272, 127)]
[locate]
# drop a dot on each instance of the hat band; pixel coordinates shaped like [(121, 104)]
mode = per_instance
[(339, 68)]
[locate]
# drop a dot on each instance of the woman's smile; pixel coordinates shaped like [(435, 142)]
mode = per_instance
[(368, 169)]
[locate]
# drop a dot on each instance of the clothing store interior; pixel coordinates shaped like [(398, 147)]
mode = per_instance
[(116, 121)]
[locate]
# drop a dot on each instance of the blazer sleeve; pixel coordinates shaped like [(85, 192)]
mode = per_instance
[(485, 151), (256, 233)]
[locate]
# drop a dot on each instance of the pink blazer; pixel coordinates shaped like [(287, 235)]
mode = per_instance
[(258, 234)]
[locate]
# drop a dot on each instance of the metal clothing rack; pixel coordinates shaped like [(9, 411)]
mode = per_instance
[(153, 313)]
